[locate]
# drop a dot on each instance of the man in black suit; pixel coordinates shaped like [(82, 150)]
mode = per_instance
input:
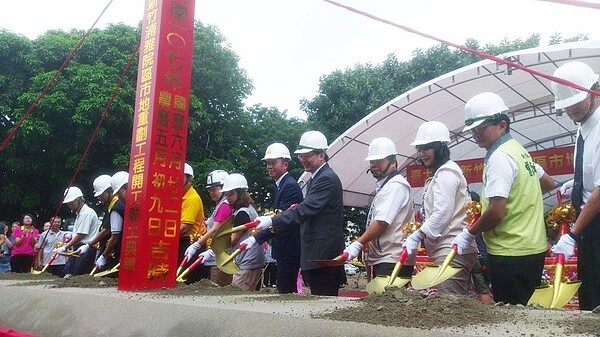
[(319, 216), (286, 247)]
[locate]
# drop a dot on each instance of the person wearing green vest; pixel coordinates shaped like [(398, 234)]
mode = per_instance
[(512, 218)]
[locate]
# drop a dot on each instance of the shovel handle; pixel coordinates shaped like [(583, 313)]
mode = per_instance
[(240, 228), (180, 268), (559, 197), (189, 269), (52, 258), (560, 259), (195, 264), (401, 259), (237, 252), (343, 256), (403, 256)]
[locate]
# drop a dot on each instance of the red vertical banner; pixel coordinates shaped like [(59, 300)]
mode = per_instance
[(158, 147)]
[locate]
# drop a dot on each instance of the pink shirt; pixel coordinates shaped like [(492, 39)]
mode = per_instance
[(223, 212), (26, 246)]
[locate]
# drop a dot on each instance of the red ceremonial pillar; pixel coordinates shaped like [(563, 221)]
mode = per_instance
[(158, 147)]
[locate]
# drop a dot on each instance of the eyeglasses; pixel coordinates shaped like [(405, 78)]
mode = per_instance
[(307, 155), (470, 121), (480, 128)]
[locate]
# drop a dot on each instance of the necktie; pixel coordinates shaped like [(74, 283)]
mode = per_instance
[(577, 195), (308, 184)]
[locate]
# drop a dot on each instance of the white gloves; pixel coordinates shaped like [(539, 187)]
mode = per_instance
[(207, 256), (60, 250), (353, 250), (250, 242), (412, 242), (565, 246), (567, 189), (265, 222), (101, 262), (192, 250), (463, 240), (83, 249)]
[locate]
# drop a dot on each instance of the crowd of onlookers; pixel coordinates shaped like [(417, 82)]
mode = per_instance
[(20, 242)]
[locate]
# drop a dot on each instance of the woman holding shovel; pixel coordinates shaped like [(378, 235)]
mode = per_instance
[(444, 199), (222, 211), (252, 260)]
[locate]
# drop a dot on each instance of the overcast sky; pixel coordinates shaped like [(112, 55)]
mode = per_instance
[(285, 46)]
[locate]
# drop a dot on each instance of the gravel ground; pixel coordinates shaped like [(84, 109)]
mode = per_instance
[(447, 315)]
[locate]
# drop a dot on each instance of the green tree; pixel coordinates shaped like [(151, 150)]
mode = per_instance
[(39, 161)]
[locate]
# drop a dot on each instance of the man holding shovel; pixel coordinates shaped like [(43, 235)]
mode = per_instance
[(584, 189), (390, 210), (50, 238), (85, 228), (512, 218), (285, 247), (319, 217)]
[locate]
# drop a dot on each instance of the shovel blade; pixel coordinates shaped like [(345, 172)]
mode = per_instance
[(432, 276), (543, 296), (566, 292), (379, 283), (229, 267)]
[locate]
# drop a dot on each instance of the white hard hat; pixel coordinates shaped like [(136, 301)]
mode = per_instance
[(430, 132), (71, 194), (233, 181), (216, 178), (277, 150), (380, 148), (118, 180), (101, 184), (486, 105), (187, 169), (310, 141), (578, 73)]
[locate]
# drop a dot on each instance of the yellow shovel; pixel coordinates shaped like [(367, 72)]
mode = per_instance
[(434, 275), (378, 284), (180, 268), (558, 293), (226, 263), (219, 245), (193, 266), (108, 272), (37, 272)]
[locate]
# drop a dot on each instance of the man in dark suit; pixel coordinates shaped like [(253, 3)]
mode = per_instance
[(286, 247), (319, 216)]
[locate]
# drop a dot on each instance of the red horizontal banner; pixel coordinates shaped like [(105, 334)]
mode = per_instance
[(555, 161)]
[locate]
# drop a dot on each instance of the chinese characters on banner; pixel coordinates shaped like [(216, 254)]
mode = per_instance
[(158, 147), (555, 161)]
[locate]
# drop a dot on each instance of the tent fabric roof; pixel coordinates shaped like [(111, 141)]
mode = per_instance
[(534, 121)]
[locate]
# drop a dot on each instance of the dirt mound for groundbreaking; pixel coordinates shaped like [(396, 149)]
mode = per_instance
[(411, 309), (400, 307)]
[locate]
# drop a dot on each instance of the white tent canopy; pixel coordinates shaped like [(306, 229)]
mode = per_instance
[(534, 122)]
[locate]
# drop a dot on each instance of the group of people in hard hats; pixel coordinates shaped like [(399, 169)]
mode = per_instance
[(94, 244), (512, 214), (309, 226)]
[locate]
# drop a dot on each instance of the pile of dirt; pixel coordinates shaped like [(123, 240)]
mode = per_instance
[(400, 307), (82, 281), (411, 309), (586, 325)]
